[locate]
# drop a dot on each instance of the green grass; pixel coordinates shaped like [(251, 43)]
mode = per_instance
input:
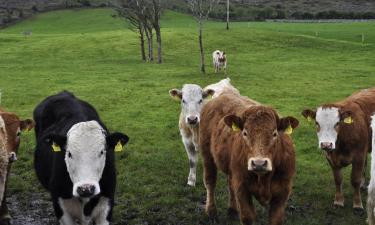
[(92, 54)]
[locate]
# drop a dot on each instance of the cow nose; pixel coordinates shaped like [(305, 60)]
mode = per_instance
[(192, 120), (326, 145), (12, 157), (259, 165), (86, 190)]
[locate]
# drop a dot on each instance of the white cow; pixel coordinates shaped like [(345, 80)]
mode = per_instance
[(371, 187), (192, 98), (219, 60)]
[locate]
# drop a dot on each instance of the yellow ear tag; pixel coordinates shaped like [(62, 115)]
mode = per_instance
[(289, 130), (348, 120), (56, 147), (176, 98), (309, 119), (118, 147), (235, 128), (209, 97)]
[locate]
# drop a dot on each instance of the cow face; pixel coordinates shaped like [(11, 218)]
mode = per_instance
[(221, 56), (191, 97), (260, 128), (328, 120), (11, 127), (86, 146)]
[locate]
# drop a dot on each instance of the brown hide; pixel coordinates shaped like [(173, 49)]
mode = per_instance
[(227, 150)]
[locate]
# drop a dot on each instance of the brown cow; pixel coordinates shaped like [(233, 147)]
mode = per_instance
[(247, 141), (10, 130), (344, 133)]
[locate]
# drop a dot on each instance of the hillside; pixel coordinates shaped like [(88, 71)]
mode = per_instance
[(93, 55)]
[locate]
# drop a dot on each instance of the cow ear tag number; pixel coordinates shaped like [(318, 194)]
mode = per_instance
[(348, 120), (118, 147), (235, 128), (289, 130), (56, 147)]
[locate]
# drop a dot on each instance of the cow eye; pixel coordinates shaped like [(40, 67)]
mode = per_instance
[(69, 155), (274, 133), (244, 133), (18, 133), (200, 101), (183, 101), (101, 153)]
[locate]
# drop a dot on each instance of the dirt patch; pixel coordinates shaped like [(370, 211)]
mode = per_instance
[(31, 209)]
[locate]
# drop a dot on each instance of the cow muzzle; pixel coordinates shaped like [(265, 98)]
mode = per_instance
[(86, 190), (327, 146), (192, 120), (260, 165), (12, 157)]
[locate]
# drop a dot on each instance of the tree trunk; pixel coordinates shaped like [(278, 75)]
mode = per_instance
[(151, 46), (203, 70), (227, 14), (149, 35), (158, 39), (142, 40)]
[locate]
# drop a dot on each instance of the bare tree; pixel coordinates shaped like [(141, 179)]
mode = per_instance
[(155, 8), (201, 10), (227, 14)]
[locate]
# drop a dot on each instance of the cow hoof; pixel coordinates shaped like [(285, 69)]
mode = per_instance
[(359, 211), (232, 213), (211, 212), (338, 205), (191, 183)]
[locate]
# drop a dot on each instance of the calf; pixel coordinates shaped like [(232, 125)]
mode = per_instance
[(219, 60), (371, 187), (10, 131), (74, 159), (343, 130), (192, 99), (248, 142)]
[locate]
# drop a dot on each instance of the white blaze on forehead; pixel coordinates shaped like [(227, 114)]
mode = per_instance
[(86, 142), (327, 118)]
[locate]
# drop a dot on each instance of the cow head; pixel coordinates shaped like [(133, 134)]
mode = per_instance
[(260, 128), (86, 146), (191, 97), (328, 119), (221, 56), (11, 126)]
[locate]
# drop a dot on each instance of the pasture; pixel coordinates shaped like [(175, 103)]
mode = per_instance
[(96, 57)]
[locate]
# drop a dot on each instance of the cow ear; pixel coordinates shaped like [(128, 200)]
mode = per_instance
[(175, 94), (55, 141), (346, 116), (234, 122), (287, 124), (309, 114), (116, 141), (27, 124), (208, 93)]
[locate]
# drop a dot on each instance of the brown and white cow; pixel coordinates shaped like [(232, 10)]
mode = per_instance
[(10, 131), (248, 142), (344, 133), (219, 60)]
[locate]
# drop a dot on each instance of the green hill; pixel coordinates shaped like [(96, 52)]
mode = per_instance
[(288, 66)]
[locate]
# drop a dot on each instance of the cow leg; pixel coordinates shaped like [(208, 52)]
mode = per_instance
[(245, 205), (232, 209), (371, 205), (363, 181), (63, 217), (210, 176), (193, 159), (277, 209), (339, 196), (356, 179)]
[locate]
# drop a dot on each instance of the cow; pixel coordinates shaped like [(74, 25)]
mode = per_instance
[(219, 60), (344, 133), (11, 127), (371, 187), (221, 87), (249, 142), (74, 159), (192, 98)]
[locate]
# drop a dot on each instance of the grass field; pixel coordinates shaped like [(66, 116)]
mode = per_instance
[(93, 55)]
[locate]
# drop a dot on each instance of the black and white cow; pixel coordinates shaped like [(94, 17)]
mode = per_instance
[(74, 159)]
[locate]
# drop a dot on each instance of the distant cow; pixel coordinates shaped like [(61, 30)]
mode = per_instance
[(192, 99), (223, 86), (344, 133), (371, 187), (74, 159), (11, 127), (248, 142), (219, 60)]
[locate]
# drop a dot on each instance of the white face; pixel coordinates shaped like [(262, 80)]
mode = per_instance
[(192, 102), (85, 155), (327, 120)]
